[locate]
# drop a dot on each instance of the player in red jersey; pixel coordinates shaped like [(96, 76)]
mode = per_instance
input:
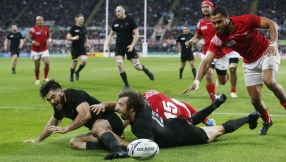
[(261, 57), (167, 107), (206, 31), (40, 38)]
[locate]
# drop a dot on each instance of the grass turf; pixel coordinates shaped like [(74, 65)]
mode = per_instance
[(23, 114)]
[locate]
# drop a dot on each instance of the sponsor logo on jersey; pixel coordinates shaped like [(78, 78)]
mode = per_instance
[(76, 30), (204, 27), (216, 41), (183, 38), (116, 25), (127, 23), (231, 43), (38, 33), (11, 36)]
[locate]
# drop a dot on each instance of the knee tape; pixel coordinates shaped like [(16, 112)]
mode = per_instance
[(83, 58), (136, 64), (232, 65), (119, 62)]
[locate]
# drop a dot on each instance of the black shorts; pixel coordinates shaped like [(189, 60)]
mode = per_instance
[(122, 50), (233, 60), (113, 119), (77, 51), (181, 133), (15, 51), (187, 56)]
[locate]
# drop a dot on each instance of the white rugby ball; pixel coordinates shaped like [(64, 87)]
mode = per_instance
[(142, 149)]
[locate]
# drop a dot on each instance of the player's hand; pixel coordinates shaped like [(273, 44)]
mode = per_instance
[(5, 48), (36, 43), (271, 51), (97, 108), (56, 129), (130, 48), (194, 86), (31, 141), (107, 49), (49, 41), (76, 37), (188, 43), (88, 47)]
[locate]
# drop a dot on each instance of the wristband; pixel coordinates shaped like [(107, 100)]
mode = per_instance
[(273, 43), (197, 83), (73, 38)]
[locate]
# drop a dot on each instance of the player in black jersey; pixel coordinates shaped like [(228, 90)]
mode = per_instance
[(146, 124), (75, 105), (16, 43), (125, 27), (186, 53), (78, 36)]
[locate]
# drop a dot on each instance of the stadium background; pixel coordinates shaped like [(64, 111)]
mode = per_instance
[(165, 19)]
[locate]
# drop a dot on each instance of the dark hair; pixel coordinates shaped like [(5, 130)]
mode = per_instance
[(135, 99), (221, 10), (49, 86)]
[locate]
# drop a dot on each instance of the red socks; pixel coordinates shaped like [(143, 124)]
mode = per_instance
[(265, 116), (211, 89), (37, 73), (233, 90), (46, 72)]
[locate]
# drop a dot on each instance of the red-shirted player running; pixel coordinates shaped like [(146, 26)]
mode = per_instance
[(261, 57), (206, 31), (40, 38)]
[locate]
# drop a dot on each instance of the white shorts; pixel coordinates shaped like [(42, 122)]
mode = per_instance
[(253, 71), (38, 55), (233, 54), (219, 63)]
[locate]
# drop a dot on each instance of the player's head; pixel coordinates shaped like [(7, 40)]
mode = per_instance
[(39, 21), (220, 19), (120, 12), (130, 102), (186, 29), (79, 18), (14, 28), (207, 7), (52, 92)]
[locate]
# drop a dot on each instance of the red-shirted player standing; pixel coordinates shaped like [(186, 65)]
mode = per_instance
[(206, 31), (261, 57), (40, 38)]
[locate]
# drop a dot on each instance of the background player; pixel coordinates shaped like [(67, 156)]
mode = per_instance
[(16, 43), (206, 31), (78, 36), (125, 43), (40, 38), (186, 53)]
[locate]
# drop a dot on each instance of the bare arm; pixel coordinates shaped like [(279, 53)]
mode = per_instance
[(30, 39), (71, 38), (201, 72), (46, 133), (87, 42), (272, 26), (136, 37), (104, 106), (21, 43), (109, 40), (194, 40), (6, 43)]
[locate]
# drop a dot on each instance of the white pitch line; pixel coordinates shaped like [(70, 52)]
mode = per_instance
[(32, 108)]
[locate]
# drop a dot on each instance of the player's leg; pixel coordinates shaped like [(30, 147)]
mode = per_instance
[(204, 113), (254, 83), (99, 131), (133, 57), (231, 126), (221, 66), (183, 64), (46, 60), (119, 58), (191, 59), (75, 54), (14, 62), (270, 70), (233, 76), (85, 142), (83, 58), (36, 58), (210, 86)]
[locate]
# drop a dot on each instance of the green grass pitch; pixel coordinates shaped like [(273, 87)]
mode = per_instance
[(23, 114)]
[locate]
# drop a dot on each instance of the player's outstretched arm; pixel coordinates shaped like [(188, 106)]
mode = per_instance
[(46, 133), (109, 40), (201, 72)]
